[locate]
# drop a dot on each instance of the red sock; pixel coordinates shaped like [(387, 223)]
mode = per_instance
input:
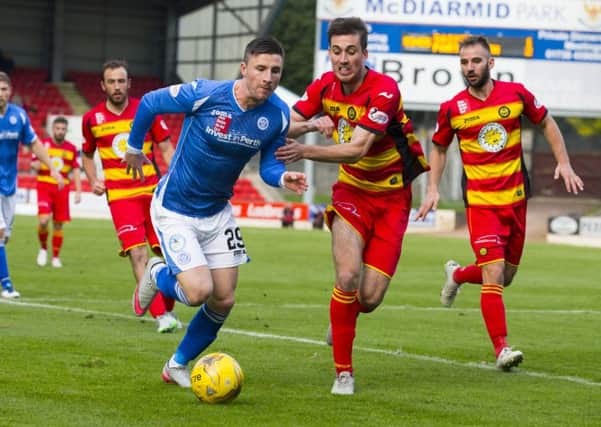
[(358, 306), (343, 318), (468, 274), (43, 237), (493, 312), (57, 242), (158, 306)]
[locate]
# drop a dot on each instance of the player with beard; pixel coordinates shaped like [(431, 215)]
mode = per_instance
[(105, 129), (486, 118), (52, 200)]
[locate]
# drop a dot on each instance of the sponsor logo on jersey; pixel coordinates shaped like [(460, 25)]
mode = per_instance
[(9, 135), (349, 207), (378, 116), (462, 106), (99, 118), (222, 124), (492, 137), (386, 95)]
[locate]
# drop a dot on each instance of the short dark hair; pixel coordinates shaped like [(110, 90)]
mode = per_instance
[(474, 40), (263, 44), (345, 26), (111, 64), (5, 78), (60, 119)]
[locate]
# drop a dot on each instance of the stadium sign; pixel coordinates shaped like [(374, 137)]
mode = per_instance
[(552, 46)]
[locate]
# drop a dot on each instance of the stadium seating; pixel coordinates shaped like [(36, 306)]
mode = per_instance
[(37, 96), (41, 98)]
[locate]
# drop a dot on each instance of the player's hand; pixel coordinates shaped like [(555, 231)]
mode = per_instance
[(58, 177), (291, 152), (430, 203), (295, 181), (135, 164), (572, 181), (324, 125), (98, 187), (77, 197)]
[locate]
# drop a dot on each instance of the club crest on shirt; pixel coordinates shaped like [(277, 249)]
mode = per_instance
[(492, 137), (12, 120), (263, 123), (57, 163), (119, 144)]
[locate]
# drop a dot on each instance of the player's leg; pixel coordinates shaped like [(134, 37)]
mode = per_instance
[(490, 254), (161, 307), (203, 327), (390, 218), (508, 357), (457, 275), (60, 214), (44, 214), (43, 232), (7, 214), (218, 246), (347, 248), (57, 243)]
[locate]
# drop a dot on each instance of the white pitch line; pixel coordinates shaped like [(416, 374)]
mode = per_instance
[(393, 353), (326, 307)]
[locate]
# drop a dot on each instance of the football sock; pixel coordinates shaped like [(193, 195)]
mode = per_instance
[(43, 237), (201, 332), (343, 318), (157, 306), (360, 307), (468, 274), (57, 242), (4, 276), (493, 312), (168, 284)]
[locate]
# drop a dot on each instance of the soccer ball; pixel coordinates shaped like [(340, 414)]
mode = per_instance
[(216, 378)]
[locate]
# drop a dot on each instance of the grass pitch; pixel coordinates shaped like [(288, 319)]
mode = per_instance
[(73, 354)]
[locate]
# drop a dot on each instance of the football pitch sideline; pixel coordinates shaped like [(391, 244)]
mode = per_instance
[(73, 354)]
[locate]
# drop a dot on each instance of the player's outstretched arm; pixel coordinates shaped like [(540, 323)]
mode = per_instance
[(295, 181), (572, 182)]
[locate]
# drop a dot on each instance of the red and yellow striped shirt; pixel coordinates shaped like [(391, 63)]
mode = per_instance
[(489, 134), (63, 157), (374, 106), (108, 132)]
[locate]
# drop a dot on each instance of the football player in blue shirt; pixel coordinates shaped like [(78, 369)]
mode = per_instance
[(227, 123), (15, 128)]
